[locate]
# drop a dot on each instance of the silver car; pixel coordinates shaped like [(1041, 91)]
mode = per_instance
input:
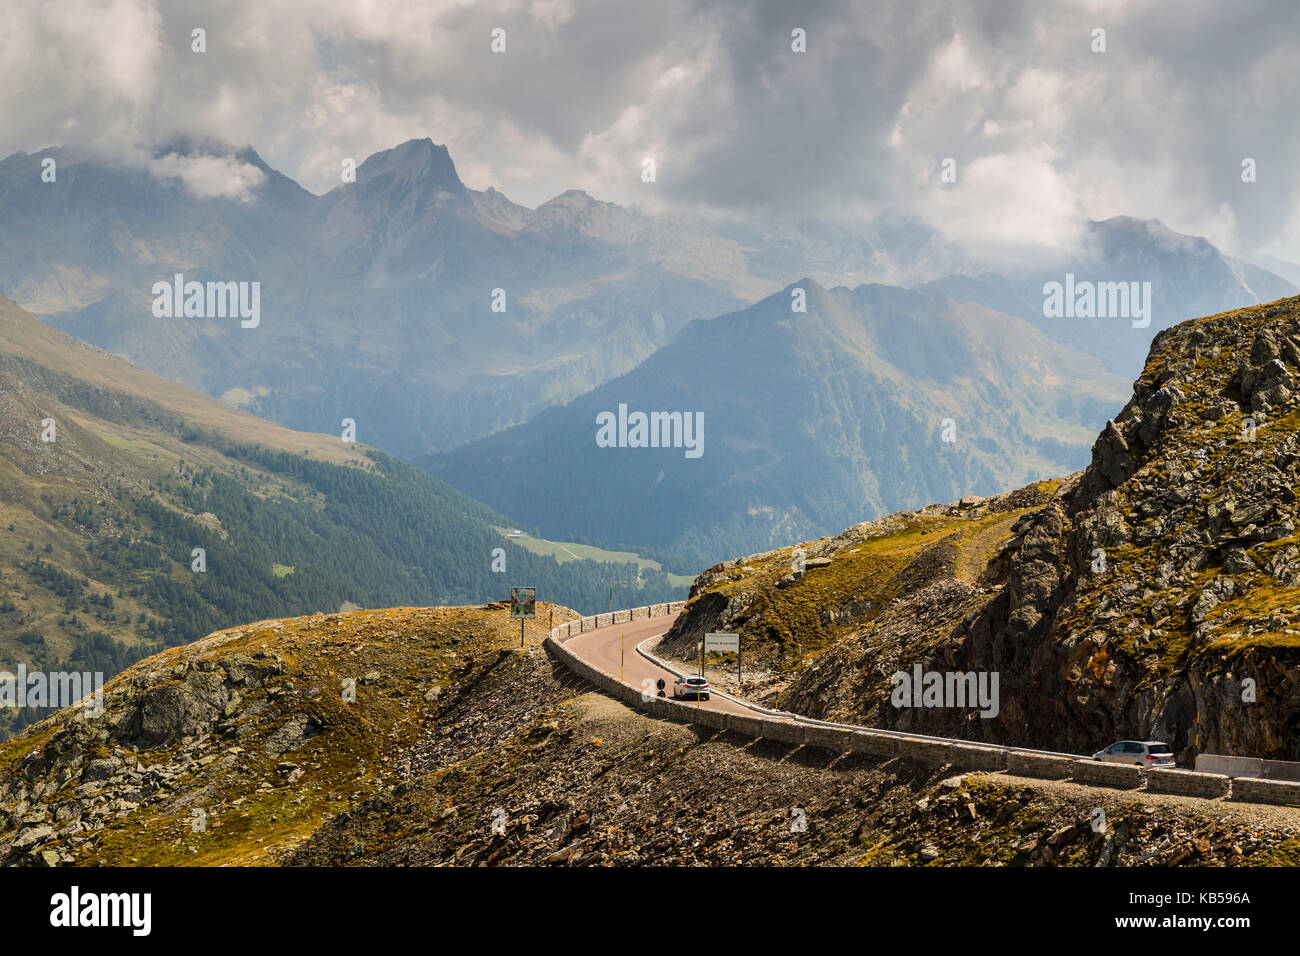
[(1144, 753), (691, 687)]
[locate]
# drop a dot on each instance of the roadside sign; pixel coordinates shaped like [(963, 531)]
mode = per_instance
[(523, 605), (523, 602), (722, 642)]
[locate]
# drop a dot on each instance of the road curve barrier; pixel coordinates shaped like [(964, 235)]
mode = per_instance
[(967, 755)]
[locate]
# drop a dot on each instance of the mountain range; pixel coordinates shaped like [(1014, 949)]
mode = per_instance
[(378, 296), (1187, 276), (872, 400)]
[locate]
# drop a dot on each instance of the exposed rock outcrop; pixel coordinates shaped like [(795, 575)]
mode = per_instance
[(1153, 596)]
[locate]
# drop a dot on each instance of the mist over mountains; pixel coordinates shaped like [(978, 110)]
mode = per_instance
[(811, 421), (1188, 277), (379, 295), (440, 318)]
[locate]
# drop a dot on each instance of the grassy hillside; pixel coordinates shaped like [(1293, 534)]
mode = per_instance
[(564, 551), (98, 528), (848, 580), (250, 726)]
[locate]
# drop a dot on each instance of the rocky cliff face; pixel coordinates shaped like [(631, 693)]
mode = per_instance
[(1152, 595)]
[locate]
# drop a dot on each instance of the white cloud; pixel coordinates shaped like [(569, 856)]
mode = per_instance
[(552, 13), (955, 69), (76, 70), (1007, 203), (1041, 127), (209, 177)]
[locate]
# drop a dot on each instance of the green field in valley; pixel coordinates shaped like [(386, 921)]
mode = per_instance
[(565, 551)]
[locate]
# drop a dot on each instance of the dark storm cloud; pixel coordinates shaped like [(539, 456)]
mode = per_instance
[(1044, 131)]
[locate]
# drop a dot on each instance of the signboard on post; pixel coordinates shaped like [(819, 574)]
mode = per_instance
[(722, 642), (523, 605), (523, 602)]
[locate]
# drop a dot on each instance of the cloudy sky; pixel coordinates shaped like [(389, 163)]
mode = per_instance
[(1044, 131)]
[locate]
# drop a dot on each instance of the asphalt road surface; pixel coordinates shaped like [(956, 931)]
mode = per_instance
[(602, 648)]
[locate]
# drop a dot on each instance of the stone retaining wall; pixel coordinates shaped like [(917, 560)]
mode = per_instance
[(1038, 765), (1255, 790), (959, 754), (1124, 776), (977, 757), (1255, 767), (870, 742), (834, 739), (1187, 782), (749, 726), (783, 731)]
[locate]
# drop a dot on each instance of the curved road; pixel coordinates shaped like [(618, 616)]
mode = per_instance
[(601, 649), (612, 651)]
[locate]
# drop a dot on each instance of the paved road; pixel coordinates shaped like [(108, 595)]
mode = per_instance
[(601, 649), (608, 647)]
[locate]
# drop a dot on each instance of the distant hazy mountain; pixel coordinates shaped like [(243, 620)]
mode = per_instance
[(376, 298), (1287, 270), (811, 421), (1188, 277)]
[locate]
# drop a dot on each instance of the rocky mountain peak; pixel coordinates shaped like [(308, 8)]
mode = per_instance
[(1120, 234), (417, 162), (577, 210)]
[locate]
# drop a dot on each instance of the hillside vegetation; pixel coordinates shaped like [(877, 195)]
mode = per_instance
[(248, 730), (98, 527), (460, 748)]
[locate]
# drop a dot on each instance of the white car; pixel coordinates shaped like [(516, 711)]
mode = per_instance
[(1144, 753), (687, 687)]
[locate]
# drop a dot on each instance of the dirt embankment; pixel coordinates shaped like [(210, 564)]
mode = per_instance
[(579, 779)]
